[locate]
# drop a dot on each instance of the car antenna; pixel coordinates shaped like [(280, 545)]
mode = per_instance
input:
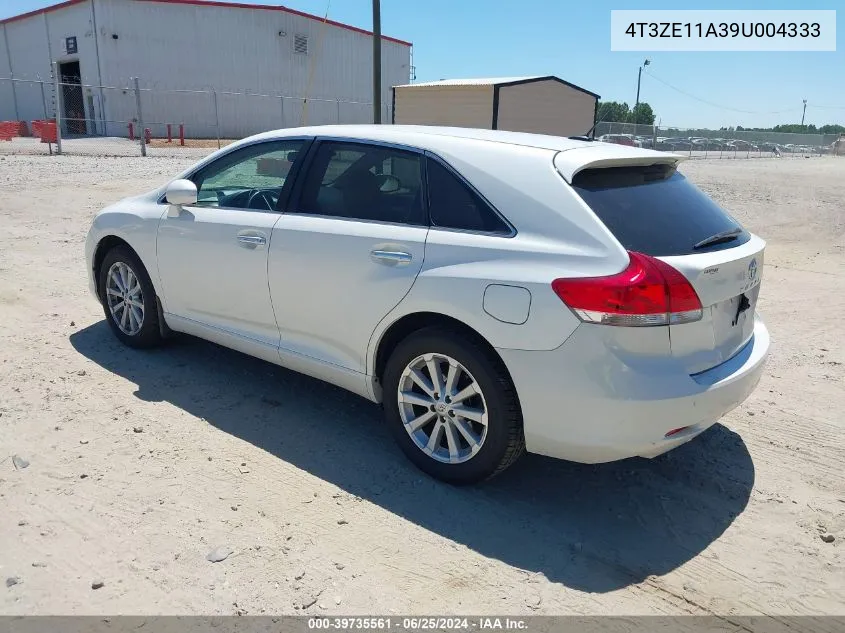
[(589, 136)]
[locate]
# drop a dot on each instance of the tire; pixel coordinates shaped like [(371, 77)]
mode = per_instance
[(124, 328), (453, 459)]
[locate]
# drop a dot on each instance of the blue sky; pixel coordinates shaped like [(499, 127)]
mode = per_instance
[(483, 38)]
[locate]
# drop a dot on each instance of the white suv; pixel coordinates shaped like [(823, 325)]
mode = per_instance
[(496, 291)]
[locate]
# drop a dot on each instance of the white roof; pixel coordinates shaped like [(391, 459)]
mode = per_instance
[(437, 139), (430, 137), (483, 81)]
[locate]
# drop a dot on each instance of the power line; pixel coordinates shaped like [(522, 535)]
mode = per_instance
[(716, 105)]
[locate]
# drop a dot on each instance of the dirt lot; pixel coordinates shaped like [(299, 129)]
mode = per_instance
[(141, 463)]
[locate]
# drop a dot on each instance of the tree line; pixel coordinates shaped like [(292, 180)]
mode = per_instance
[(797, 128), (616, 112)]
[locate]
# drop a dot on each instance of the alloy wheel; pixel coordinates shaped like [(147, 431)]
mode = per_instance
[(442, 408), (125, 298)]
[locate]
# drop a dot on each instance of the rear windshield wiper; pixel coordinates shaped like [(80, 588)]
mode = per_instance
[(724, 236)]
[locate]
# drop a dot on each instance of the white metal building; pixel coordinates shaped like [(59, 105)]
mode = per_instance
[(193, 45), (540, 104)]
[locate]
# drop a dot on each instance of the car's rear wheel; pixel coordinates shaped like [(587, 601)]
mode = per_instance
[(452, 407), (128, 298)]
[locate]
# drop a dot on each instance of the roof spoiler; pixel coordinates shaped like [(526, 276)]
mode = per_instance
[(570, 162)]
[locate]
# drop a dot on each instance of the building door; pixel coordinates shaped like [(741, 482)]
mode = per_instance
[(73, 102)]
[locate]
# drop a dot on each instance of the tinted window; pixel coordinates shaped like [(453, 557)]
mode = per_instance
[(250, 178), (453, 205), (364, 182), (655, 210)]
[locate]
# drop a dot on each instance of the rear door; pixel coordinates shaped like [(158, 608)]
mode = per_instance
[(653, 209), (348, 248)]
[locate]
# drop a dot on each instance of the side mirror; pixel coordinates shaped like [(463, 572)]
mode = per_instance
[(181, 192)]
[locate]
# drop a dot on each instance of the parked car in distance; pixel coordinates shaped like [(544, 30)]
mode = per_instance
[(742, 146), (769, 146), (494, 291), (703, 144), (674, 144), (646, 142), (618, 139)]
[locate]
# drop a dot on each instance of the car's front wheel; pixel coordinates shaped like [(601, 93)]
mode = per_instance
[(452, 407), (128, 298)]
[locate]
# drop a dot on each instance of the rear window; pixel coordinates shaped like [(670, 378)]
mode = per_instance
[(655, 210)]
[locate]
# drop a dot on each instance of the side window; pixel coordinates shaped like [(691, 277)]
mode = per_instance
[(364, 182), (453, 205), (250, 178)]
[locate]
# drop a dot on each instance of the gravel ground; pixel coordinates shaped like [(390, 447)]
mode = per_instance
[(142, 464)]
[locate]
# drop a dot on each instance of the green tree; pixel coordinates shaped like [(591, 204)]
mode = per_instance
[(613, 111), (832, 129), (642, 114), (795, 128)]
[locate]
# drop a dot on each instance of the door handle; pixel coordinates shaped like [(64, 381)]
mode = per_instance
[(252, 240), (391, 258)]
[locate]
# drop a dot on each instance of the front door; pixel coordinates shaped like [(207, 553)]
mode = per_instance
[(347, 250), (72, 98), (212, 256)]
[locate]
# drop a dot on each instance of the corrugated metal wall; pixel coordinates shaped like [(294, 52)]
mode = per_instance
[(545, 107), (7, 94), (35, 41), (460, 106), (189, 47)]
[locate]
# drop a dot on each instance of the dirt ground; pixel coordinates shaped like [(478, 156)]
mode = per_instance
[(140, 463)]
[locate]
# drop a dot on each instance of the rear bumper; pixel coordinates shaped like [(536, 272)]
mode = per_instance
[(587, 402)]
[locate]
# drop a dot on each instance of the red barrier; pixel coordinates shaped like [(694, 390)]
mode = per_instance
[(131, 131), (169, 134), (8, 130), (181, 134), (45, 130), (148, 135), (11, 129), (48, 132)]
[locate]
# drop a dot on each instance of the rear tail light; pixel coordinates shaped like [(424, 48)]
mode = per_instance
[(648, 292)]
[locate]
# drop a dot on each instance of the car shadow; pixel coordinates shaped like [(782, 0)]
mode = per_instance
[(594, 528)]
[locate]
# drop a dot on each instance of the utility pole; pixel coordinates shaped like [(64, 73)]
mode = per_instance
[(803, 113), (639, 79), (376, 61)]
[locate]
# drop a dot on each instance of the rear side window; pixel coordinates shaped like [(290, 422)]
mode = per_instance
[(453, 205), (655, 210), (364, 182)]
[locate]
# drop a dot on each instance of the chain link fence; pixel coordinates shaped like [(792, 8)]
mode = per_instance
[(36, 98), (705, 143), (43, 116), (129, 120)]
